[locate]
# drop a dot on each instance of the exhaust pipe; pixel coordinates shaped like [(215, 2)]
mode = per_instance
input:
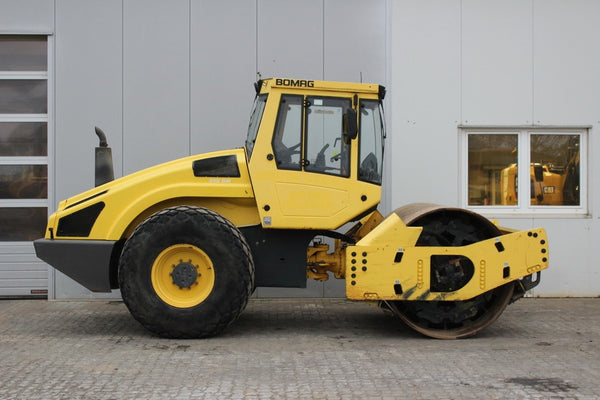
[(104, 163)]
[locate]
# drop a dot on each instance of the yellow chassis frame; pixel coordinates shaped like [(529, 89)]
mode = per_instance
[(386, 264)]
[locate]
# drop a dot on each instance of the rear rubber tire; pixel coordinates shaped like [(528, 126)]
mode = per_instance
[(165, 304)]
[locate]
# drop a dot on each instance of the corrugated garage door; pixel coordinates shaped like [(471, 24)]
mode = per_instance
[(23, 162), (22, 274)]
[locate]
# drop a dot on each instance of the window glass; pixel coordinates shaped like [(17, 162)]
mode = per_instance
[(26, 223), (23, 181), (527, 169), (23, 139), (555, 169), (287, 139), (255, 118), (23, 96), (23, 53), (371, 142), (326, 150), (23, 136), (492, 169)]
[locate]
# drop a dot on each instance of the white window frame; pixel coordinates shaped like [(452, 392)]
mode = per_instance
[(524, 208)]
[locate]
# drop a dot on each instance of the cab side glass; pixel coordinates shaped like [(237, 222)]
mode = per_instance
[(287, 138), (255, 118), (327, 150), (370, 151)]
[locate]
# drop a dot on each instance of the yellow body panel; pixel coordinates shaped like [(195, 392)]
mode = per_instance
[(300, 199), (132, 198), (372, 273)]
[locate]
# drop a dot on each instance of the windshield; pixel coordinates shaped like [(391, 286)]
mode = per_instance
[(257, 112)]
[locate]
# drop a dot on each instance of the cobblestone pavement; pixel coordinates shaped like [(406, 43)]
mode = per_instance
[(298, 349)]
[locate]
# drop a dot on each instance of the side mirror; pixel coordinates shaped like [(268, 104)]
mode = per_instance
[(538, 172), (350, 125)]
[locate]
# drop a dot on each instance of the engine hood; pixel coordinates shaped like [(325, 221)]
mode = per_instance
[(105, 211)]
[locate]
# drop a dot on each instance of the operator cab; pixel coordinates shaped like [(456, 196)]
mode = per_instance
[(315, 152)]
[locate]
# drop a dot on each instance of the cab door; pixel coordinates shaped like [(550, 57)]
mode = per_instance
[(305, 176)]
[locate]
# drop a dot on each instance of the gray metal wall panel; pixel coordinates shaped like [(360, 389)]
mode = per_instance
[(567, 91), (497, 62), (443, 55), (223, 68), (518, 63), (26, 16), (566, 62), (425, 73), (156, 91), (88, 81), (290, 38), (352, 48)]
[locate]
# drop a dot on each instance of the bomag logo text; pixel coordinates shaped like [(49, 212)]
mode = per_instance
[(294, 82)]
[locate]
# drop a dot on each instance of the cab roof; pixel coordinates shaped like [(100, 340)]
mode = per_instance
[(265, 85)]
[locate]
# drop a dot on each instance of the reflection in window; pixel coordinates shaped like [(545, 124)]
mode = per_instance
[(23, 96), (548, 175), (23, 53), (26, 223), (18, 139), (555, 170), (492, 169), (23, 136), (23, 181)]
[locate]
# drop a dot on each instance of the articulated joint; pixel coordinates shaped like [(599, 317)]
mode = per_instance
[(320, 261)]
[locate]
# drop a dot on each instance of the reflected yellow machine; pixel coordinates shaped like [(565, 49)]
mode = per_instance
[(187, 242), (550, 185)]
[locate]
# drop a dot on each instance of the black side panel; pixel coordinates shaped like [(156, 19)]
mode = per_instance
[(85, 261), (222, 166), (80, 223), (279, 255)]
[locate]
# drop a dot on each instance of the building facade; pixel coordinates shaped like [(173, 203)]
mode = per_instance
[(491, 106)]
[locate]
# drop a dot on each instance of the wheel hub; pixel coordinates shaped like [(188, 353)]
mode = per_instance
[(185, 274), (182, 275)]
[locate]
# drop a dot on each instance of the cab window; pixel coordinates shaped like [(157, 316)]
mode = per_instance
[(287, 138), (257, 112), (326, 149), (370, 152)]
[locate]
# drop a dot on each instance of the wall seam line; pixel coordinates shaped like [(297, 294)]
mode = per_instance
[(190, 77)]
